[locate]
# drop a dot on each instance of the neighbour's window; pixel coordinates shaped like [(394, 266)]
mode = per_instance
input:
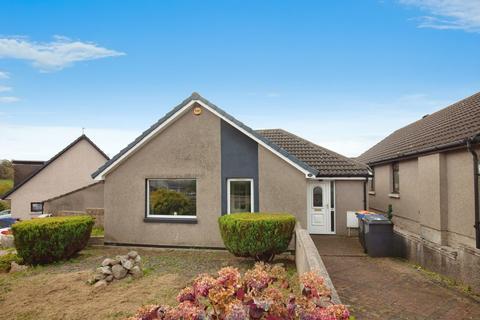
[(240, 195), (318, 197), (372, 182), (172, 198), (36, 207), (395, 178)]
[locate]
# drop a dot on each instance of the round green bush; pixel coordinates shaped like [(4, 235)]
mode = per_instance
[(45, 240), (257, 235)]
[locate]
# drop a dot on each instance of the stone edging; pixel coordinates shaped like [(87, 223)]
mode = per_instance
[(308, 259)]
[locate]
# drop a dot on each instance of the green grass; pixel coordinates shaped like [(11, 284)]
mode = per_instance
[(5, 185)]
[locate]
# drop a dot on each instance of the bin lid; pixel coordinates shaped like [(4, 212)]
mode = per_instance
[(376, 219)]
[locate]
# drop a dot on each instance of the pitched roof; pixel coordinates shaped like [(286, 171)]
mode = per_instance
[(195, 97), (446, 128), (55, 157), (327, 162), (308, 165)]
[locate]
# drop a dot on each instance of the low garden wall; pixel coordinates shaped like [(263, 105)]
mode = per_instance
[(97, 213), (308, 259)]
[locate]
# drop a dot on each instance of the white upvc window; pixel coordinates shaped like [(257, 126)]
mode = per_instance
[(240, 195), (171, 198)]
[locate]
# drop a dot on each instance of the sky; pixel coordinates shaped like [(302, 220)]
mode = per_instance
[(343, 74)]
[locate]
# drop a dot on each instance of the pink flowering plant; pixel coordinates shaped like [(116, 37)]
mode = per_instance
[(264, 293)]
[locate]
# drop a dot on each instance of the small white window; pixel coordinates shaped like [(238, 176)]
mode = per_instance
[(239, 195), (36, 207)]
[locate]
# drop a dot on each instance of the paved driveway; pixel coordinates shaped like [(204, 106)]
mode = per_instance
[(387, 288)]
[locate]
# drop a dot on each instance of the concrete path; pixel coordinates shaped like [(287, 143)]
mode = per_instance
[(387, 288)]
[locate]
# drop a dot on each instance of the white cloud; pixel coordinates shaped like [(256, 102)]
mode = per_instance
[(448, 14), (9, 99), (5, 88), (21, 142), (55, 55), (4, 75)]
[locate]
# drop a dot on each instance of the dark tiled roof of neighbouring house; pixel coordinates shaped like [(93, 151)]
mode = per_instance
[(327, 162), (55, 157), (446, 128)]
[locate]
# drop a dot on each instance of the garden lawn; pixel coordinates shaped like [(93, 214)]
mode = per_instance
[(60, 291)]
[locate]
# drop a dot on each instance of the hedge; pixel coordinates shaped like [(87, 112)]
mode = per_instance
[(257, 235), (45, 240)]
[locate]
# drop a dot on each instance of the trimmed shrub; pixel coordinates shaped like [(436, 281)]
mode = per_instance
[(257, 235), (45, 240)]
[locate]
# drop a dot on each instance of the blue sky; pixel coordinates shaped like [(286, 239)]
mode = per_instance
[(343, 74)]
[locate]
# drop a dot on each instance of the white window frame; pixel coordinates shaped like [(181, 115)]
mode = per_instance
[(164, 216), (252, 193)]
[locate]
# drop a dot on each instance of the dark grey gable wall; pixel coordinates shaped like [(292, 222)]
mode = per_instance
[(239, 160)]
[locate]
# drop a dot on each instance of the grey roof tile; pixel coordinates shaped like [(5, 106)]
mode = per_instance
[(447, 127), (327, 162)]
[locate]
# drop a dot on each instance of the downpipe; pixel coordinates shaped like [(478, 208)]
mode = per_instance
[(470, 143)]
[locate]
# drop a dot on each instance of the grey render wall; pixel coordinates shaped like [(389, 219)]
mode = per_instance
[(239, 159), (90, 196), (282, 187), (436, 197), (434, 215), (189, 148), (348, 197)]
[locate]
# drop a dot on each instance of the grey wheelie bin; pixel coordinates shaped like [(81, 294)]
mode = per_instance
[(377, 236)]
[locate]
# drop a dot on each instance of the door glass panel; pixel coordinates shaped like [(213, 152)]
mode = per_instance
[(240, 196), (318, 197), (332, 194)]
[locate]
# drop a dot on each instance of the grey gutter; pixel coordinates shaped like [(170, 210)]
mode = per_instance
[(414, 154)]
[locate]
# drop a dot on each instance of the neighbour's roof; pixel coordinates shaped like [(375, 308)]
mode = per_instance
[(195, 97), (327, 162), (446, 128), (55, 157)]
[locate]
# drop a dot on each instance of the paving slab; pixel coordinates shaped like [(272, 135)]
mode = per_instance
[(390, 288)]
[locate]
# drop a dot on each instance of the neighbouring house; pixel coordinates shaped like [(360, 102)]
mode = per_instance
[(22, 169), (68, 170), (428, 173), (170, 185)]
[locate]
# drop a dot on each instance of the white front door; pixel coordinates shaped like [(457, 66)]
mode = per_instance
[(319, 208)]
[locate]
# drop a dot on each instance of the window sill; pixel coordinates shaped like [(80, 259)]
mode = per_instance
[(372, 193), (394, 195), (170, 220)]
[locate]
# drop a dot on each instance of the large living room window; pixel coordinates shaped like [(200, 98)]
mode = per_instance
[(172, 198), (395, 178), (240, 195)]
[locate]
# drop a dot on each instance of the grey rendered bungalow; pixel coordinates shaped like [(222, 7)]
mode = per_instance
[(170, 185)]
